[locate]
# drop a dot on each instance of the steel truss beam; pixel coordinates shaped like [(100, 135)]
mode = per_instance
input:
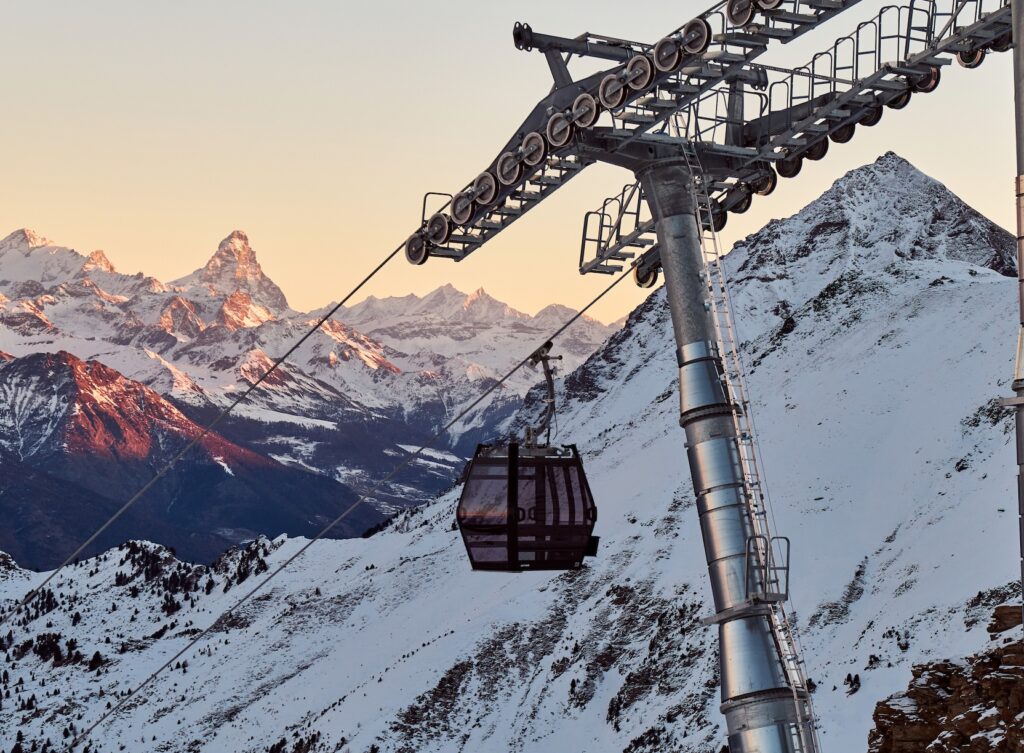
[(840, 88), (488, 204)]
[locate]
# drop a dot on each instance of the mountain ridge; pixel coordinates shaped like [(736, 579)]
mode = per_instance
[(102, 436), (343, 405)]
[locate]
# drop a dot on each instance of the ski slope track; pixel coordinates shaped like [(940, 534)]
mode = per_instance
[(878, 330)]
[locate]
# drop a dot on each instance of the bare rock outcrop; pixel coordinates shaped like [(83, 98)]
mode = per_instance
[(973, 706)]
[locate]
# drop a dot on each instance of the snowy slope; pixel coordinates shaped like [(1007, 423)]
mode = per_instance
[(877, 350), (77, 439)]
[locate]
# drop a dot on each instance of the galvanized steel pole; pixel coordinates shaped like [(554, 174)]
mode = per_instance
[(1018, 382), (762, 715)]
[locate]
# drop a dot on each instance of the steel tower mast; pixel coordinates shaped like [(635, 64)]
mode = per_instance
[(1018, 381), (766, 710)]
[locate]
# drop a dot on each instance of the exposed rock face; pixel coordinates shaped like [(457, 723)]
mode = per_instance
[(77, 438), (97, 261), (239, 310), (885, 212), (234, 267), (1005, 618), (972, 707), (179, 317)]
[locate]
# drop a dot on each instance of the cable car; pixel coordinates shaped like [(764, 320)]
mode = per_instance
[(528, 506)]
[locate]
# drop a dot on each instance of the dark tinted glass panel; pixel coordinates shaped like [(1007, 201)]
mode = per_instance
[(484, 500), (487, 548)]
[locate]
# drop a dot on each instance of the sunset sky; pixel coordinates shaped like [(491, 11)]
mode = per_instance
[(151, 130)]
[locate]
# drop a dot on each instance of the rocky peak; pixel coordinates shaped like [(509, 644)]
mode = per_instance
[(234, 268), (480, 305), (24, 239), (97, 261), (234, 249), (179, 317), (69, 405), (883, 213)]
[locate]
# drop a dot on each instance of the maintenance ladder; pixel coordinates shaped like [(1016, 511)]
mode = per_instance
[(764, 551)]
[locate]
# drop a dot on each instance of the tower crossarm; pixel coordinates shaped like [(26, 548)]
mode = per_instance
[(647, 87), (745, 139), (883, 63)]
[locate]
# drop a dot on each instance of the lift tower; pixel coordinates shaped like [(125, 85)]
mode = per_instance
[(704, 128), (1018, 380), (765, 698)]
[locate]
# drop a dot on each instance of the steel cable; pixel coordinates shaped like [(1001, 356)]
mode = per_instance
[(195, 440), (437, 435)]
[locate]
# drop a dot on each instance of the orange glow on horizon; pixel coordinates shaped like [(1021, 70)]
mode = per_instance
[(153, 131)]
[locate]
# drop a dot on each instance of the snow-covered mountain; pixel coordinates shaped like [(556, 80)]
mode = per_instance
[(233, 270), (878, 343), (77, 439), (346, 405)]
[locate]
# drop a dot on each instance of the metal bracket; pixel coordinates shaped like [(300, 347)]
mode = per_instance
[(767, 575)]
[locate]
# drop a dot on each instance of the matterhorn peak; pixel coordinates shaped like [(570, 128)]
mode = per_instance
[(235, 246), (234, 268)]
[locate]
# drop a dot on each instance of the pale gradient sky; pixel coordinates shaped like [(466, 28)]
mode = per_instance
[(151, 130)]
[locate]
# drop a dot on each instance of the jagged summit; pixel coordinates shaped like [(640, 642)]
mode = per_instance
[(97, 260), (234, 248), (234, 268), (443, 303), (882, 213)]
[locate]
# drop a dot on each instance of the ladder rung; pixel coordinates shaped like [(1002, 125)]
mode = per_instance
[(741, 40), (640, 242), (681, 89), (525, 196), (776, 32), (638, 118), (791, 18), (557, 163), (721, 56), (654, 103)]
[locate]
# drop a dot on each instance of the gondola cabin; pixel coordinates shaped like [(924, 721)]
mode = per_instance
[(527, 508)]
